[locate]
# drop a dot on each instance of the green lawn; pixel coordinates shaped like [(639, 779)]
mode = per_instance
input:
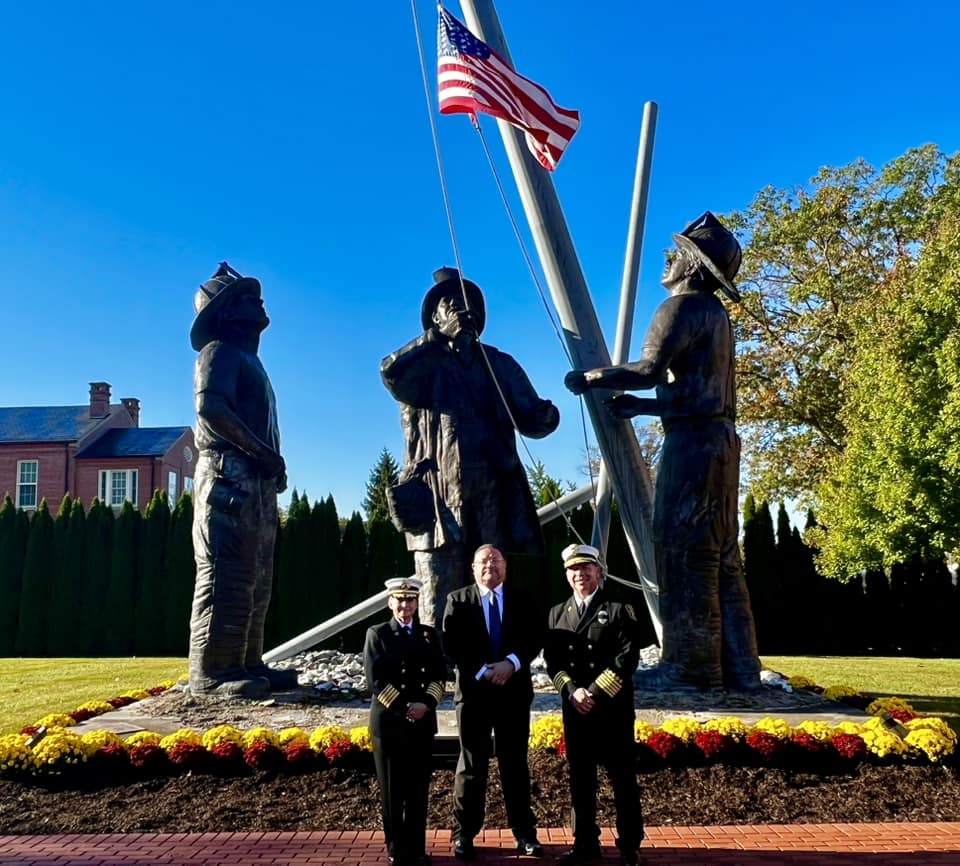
[(31, 688), (930, 685)]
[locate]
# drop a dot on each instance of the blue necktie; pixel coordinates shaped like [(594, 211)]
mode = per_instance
[(495, 624)]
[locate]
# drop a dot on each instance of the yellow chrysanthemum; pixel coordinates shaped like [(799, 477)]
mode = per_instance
[(184, 735), (327, 734), (94, 740), (294, 735), (775, 727), (136, 694), (143, 738), (56, 720), (221, 734), (836, 693), (888, 705), (360, 736), (15, 756), (96, 707), (546, 732), (932, 744), (884, 744), (847, 728), (800, 682), (935, 724), (682, 727), (642, 731), (729, 726), (56, 750), (261, 735), (819, 730)]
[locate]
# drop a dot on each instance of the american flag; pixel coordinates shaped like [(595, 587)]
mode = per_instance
[(472, 77)]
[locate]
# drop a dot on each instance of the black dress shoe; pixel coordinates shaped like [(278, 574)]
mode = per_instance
[(530, 846), (580, 855), (463, 849)]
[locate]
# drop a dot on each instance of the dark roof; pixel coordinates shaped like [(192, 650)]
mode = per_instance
[(134, 442), (46, 423)]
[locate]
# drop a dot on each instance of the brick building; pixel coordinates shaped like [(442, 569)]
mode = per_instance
[(94, 450)]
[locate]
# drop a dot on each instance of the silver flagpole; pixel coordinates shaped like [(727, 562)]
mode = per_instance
[(568, 287), (628, 296)]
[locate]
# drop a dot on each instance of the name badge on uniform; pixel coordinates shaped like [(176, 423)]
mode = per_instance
[(602, 616)]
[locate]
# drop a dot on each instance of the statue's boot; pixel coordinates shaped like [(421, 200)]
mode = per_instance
[(230, 684), (280, 679)]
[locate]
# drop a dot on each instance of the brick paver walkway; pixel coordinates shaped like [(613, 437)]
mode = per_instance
[(772, 845)]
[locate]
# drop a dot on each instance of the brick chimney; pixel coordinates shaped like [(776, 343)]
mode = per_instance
[(99, 399), (132, 405)]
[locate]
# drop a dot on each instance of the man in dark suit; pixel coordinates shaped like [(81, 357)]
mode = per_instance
[(591, 653), (405, 670), (491, 633)]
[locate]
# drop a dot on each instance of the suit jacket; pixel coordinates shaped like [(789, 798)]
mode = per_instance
[(598, 651), (467, 642), (400, 670)]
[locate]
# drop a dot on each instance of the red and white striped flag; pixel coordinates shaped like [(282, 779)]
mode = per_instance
[(471, 77)]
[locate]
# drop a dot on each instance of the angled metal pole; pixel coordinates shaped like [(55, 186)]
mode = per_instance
[(568, 287), (628, 297)]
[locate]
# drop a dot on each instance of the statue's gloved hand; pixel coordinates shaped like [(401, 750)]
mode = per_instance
[(282, 482), (625, 405), (272, 465), (576, 381)]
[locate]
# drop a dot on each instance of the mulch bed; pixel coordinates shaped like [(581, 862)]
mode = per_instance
[(340, 798)]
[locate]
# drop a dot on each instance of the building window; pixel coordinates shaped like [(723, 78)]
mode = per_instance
[(118, 486), (172, 488), (188, 486), (27, 471)]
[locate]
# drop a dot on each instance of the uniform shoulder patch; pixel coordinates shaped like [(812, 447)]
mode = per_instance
[(630, 612)]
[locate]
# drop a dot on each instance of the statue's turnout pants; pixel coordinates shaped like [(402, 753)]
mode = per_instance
[(708, 631), (234, 531)]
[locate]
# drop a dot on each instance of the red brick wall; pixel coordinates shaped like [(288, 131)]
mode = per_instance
[(54, 460)]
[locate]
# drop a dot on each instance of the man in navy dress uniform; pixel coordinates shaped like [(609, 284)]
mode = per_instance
[(405, 672), (591, 653)]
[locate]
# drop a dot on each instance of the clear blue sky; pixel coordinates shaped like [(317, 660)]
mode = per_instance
[(140, 144)]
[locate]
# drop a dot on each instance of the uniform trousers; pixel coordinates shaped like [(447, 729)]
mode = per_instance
[(403, 771), (594, 741)]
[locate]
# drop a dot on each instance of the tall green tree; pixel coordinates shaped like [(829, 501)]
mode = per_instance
[(326, 526), (293, 581), (70, 537), (761, 571), (148, 607), (14, 531), (97, 552), (383, 475), (543, 486), (120, 602), (813, 259), (894, 491), (353, 562), (179, 577), (35, 592)]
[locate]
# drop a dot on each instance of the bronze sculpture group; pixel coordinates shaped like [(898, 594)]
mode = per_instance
[(463, 490)]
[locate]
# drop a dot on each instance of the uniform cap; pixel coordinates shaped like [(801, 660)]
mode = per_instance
[(403, 587), (575, 554)]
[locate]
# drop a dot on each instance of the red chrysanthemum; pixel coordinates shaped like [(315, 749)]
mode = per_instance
[(807, 742), (111, 757), (262, 756), (341, 751), (300, 754), (82, 715), (850, 746), (147, 756), (903, 716), (765, 744), (188, 755), (665, 745), (562, 747), (227, 751), (120, 701), (157, 690), (30, 730), (712, 743)]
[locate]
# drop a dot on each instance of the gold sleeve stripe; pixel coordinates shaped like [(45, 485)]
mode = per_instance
[(609, 682), (435, 690), (561, 679), (388, 695)]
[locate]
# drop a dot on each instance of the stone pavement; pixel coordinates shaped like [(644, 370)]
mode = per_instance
[(771, 845)]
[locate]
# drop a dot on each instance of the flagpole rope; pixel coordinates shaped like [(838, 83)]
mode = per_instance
[(456, 254)]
